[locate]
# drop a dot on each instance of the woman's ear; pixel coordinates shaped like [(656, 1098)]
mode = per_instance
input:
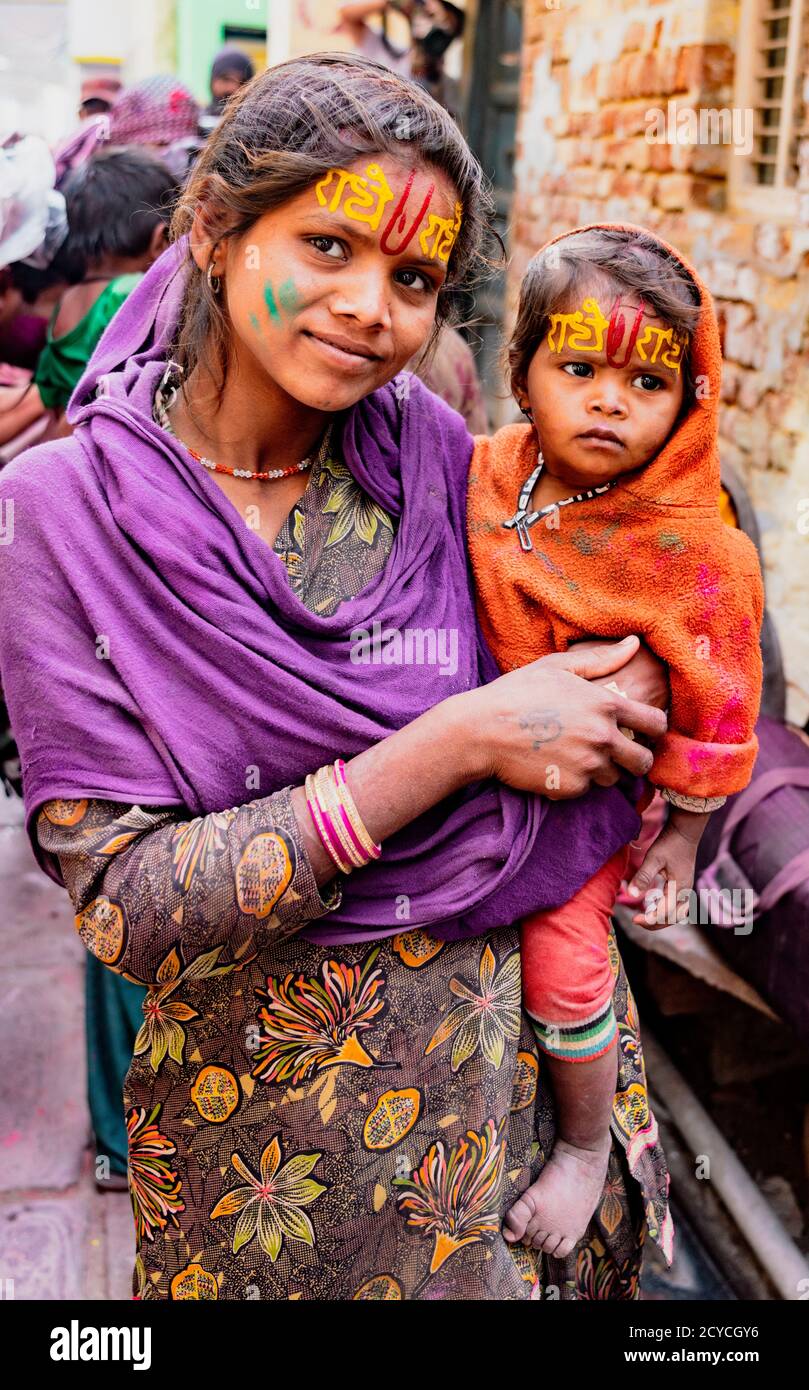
[(201, 241)]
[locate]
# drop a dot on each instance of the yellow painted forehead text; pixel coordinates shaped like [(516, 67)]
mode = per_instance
[(588, 329), (364, 197)]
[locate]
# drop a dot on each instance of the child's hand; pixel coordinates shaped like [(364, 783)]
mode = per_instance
[(672, 858)]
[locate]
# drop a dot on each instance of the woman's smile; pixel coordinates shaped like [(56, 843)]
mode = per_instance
[(348, 355)]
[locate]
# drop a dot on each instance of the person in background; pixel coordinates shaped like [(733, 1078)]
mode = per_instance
[(159, 113), (434, 25), (230, 69), (118, 206), (20, 404), (98, 95), (33, 227), (92, 135), (450, 372)]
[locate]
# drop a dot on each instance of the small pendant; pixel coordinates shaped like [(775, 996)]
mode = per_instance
[(517, 522), (525, 539)]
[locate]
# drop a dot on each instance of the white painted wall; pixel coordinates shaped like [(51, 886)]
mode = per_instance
[(37, 93)]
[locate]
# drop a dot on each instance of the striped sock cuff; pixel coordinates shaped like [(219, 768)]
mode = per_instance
[(578, 1042)]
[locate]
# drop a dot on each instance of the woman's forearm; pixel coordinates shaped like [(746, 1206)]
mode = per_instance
[(148, 881), (400, 777), (151, 881)]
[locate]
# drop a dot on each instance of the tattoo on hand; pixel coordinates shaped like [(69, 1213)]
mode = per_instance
[(544, 726)]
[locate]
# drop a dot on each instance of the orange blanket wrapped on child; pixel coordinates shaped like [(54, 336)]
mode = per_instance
[(651, 556)]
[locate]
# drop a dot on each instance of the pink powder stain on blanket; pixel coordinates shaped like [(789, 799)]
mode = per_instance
[(708, 590), (731, 726), (698, 758), (740, 636)]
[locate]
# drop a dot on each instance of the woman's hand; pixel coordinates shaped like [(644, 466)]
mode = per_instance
[(552, 727)]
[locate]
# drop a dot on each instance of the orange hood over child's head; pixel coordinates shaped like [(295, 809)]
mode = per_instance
[(616, 355)]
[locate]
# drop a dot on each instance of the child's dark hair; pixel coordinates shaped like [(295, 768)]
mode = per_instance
[(626, 260), (113, 204), (281, 133)]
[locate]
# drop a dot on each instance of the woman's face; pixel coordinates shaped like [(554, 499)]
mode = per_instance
[(331, 294)]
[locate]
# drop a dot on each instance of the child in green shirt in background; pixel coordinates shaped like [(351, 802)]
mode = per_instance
[(118, 207)]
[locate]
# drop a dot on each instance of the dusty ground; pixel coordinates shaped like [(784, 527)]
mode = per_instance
[(60, 1236)]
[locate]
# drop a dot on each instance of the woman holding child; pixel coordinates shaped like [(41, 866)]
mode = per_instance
[(335, 1093)]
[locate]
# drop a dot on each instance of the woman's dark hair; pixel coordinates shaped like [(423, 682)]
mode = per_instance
[(113, 203), (280, 134), (624, 260)]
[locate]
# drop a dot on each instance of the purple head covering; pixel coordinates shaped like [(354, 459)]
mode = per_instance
[(90, 137), (214, 677)]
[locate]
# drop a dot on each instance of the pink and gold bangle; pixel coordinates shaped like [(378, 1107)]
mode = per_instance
[(339, 824), (329, 806), (349, 807), (329, 841)]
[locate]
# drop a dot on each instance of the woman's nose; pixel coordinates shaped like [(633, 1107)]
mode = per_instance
[(365, 299)]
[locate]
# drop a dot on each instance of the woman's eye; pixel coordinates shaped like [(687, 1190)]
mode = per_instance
[(414, 280), (324, 243), (580, 369), (649, 383)]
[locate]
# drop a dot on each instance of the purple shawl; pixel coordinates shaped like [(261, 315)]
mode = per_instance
[(152, 651)]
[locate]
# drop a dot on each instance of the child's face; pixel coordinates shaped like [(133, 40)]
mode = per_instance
[(331, 294), (596, 421)]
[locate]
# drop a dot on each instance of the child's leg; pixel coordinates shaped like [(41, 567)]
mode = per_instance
[(567, 988)]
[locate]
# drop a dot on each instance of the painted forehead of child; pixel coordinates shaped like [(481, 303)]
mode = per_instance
[(411, 214), (618, 324)]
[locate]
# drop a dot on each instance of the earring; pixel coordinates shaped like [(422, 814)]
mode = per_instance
[(527, 412), (214, 281)]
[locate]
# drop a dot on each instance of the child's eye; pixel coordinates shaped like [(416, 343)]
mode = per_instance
[(322, 243), (425, 283), (649, 383), (580, 369)]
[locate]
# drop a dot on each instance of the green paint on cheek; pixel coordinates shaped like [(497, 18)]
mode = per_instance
[(255, 323), (288, 296), (269, 299)]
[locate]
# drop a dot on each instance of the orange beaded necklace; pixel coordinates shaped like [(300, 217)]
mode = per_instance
[(164, 399)]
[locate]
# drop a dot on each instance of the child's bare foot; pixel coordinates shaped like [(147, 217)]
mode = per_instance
[(552, 1214)]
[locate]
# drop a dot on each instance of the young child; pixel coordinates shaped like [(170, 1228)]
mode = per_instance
[(118, 207), (598, 519)]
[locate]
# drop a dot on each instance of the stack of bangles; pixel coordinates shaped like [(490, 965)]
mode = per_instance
[(337, 820)]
